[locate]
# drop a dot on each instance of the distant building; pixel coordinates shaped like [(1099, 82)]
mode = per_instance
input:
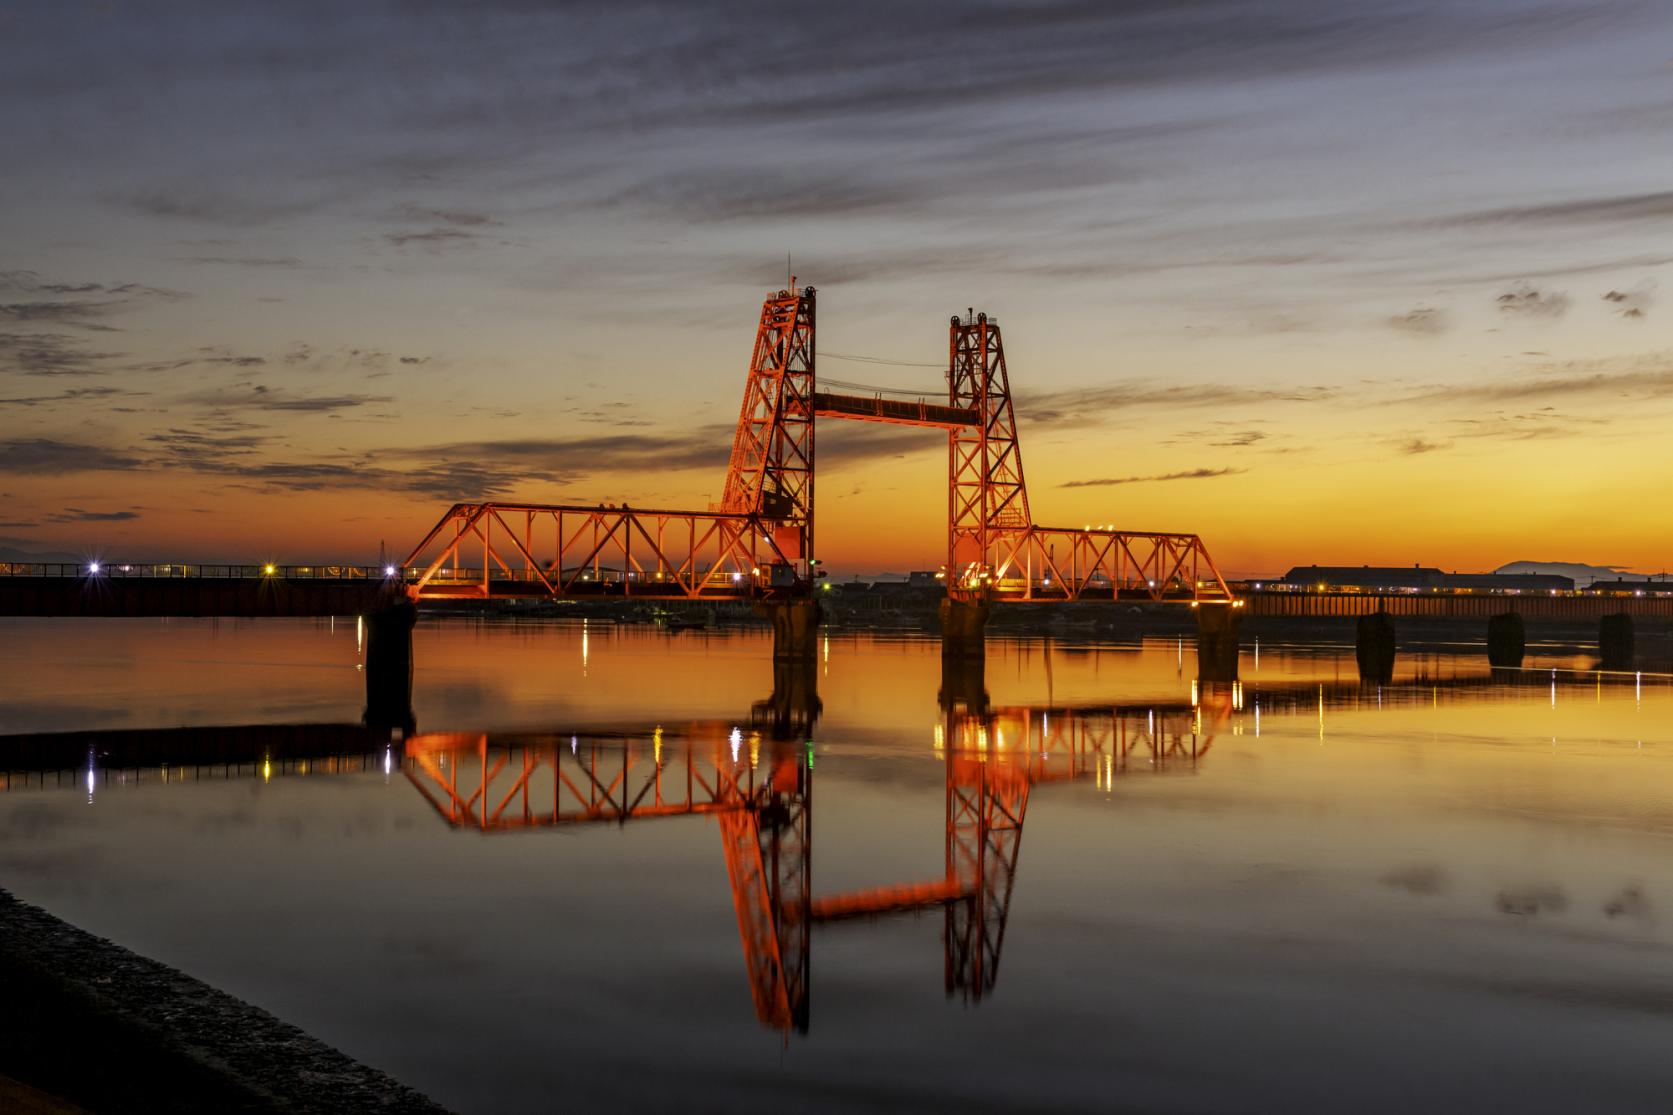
[(923, 578), (1416, 578)]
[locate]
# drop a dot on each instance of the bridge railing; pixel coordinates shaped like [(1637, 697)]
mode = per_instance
[(119, 570)]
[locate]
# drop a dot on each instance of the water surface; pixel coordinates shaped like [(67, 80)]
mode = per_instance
[(1296, 893)]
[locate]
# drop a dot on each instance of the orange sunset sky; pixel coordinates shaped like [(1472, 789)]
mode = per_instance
[(1377, 283)]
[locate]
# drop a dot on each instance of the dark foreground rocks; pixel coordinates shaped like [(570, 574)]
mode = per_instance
[(110, 1031)]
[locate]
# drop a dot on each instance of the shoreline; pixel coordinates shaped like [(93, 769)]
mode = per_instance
[(98, 1026)]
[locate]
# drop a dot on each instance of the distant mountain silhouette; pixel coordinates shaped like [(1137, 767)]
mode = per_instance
[(7, 553), (1582, 573)]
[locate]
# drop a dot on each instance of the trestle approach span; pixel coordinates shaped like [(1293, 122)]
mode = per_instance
[(758, 542)]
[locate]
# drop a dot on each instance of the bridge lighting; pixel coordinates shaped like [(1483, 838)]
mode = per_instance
[(737, 576), (267, 569), (94, 569), (389, 571)]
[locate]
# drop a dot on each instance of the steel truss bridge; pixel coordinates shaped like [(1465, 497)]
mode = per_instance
[(758, 542)]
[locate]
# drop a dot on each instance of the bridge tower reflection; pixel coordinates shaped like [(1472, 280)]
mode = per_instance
[(760, 792)]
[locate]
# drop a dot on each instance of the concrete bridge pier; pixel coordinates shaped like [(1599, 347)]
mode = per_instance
[(964, 685), (795, 628), (794, 707), (964, 624), (1614, 641), (1374, 647), (389, 666), (1507, 640), (1217, 645)]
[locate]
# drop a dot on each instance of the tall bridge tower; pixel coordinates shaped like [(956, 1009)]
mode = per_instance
[(770, 474)]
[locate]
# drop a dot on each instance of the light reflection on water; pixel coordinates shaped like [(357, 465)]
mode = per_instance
[(596, 872)]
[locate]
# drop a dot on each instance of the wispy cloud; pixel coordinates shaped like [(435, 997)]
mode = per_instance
[(1656, 206), (1631, 304), (1423, 321), (1091, 404), (1524, 300), (80, 515), (261, 397), (1640, 378), (245, 261), (1189, 474), (50, 457)]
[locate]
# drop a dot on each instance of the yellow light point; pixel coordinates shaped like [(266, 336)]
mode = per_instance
[(1193, 692), (754, 750), (266, 770), (940, 741), (268, 569), (1321, 712), (656, 744)]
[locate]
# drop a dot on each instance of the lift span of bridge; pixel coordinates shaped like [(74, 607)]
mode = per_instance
[(758, 542)]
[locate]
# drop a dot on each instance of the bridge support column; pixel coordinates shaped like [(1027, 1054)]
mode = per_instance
[(794, 707), (1217, 646), (1614, 641), (389, 666), (1507, 640), (963, 627), (1374, 647), (795, 628), (964, 685)]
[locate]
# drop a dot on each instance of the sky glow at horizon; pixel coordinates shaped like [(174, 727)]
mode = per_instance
[(1374, 283)]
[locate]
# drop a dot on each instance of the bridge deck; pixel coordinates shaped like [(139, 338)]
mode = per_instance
[(899, 412), (1441, 605)]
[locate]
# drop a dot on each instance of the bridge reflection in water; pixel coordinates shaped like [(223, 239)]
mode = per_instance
[(757, 782), (760, 792)]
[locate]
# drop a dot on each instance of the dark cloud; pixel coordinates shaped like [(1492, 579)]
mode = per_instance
[(1540, 425), (1189, 474), (1632, 304), (435, 237), (790, 194), (1085, 405), (1414, 446), (1523, 300), (243, 207), (245, 261), (201, 449), (71, 395), (1657, 206), (261, 397), (1642, 378), (48, 457), (1424, 320), (79, 515), (463, 217)]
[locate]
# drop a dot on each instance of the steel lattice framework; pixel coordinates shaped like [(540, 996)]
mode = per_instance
[(771, 470), (987, 498), (759, 542)]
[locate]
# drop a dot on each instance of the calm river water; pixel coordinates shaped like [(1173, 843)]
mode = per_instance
[(1293, 894)]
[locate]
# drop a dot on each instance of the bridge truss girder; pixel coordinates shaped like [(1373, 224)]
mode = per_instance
[(497, 550)]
